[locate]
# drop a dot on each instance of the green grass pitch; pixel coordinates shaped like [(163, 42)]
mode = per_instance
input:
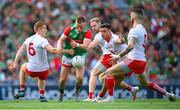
[(122, 104)]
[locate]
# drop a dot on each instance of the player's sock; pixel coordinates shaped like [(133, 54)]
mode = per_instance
[(61, 91), (41, 92), (110, 85), (157, 88), (101, 94), (91, 95), (78, 85), (22, 87)]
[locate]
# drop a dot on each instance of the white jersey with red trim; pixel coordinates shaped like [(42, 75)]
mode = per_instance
[(138, 52), (37, 55), (110, 47)]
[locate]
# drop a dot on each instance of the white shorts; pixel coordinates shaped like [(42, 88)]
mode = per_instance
[(67, 62), (104, 63)]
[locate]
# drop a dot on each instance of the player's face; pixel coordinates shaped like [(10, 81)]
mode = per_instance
[(106, 33), (95, 26), (44, 30), (132, 18), (80, 27)]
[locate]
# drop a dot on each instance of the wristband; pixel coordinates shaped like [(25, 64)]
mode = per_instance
[(77, 45)]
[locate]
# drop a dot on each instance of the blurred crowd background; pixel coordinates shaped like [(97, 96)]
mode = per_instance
[(17, 18)]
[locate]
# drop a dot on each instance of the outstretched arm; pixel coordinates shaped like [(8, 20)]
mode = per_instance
[(18, 56), (53, 50)]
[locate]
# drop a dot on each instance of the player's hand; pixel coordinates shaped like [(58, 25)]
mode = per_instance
[(12, 67), (59, 51), (71, 51), (103, 76), (114, 59), (73, 44)]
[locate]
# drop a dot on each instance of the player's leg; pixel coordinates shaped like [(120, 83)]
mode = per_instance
[(124, 85), (41, 86), (41, 77), (62, 80), (119, 69), (22, 79), (97, 70), (79, 81), (151, 85), (65, 70), (101, 93)]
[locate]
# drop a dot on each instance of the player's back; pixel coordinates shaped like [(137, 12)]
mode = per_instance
[(138, 52), (37, 55)]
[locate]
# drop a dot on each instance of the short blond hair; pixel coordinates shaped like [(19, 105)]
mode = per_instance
[(97, 20), (38, 24)]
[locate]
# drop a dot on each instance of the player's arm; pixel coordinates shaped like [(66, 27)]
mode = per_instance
[(19, 53), (51, 49), (93, 44), (64, 36), (86, 41), (85, 44), (18, 56), (61, 40), (68, 51), (129, 47)]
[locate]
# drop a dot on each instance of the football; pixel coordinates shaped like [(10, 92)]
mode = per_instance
[(77, 62)]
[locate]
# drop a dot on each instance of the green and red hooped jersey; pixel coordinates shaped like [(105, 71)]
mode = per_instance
[(71, 33)]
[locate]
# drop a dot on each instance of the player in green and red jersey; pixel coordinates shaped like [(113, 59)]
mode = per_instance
[(76, 39)]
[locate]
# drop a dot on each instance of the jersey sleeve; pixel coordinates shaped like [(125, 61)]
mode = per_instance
[(25, 42), (134, 33), (67, 30), (44, 43), (88, 35), (98, 37)]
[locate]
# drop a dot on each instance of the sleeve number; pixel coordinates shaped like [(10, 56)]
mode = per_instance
[(31, 50)]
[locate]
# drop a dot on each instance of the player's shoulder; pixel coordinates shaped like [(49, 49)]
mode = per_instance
[(98, 36), (115, 35), (30, 38)]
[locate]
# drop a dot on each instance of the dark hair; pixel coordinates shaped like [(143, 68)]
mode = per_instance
[(38, 24), (105, 25), (138, 11), (80, 19)]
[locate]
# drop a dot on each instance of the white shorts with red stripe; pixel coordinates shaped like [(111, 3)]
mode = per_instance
[(105, 62), (130, 66)]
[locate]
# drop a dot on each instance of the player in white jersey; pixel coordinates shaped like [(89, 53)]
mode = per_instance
[(136, 62), (110, 44), (37, 67)]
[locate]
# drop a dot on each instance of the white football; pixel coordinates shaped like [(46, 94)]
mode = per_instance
[(77, 61)]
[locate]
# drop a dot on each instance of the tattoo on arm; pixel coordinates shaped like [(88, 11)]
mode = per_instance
[(130, 46)]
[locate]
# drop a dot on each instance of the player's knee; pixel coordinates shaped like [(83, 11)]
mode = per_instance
[(23, 66), (79, 79)]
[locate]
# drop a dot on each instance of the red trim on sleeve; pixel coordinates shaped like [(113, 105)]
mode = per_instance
[(67, 30), (88, 35)]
